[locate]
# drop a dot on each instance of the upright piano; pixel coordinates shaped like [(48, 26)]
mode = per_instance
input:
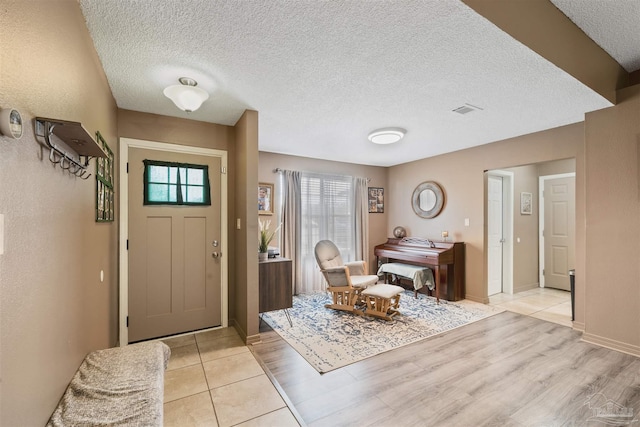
[(444, 258)]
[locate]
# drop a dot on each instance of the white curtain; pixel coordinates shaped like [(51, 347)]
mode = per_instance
[(322, 206), (361, 220), (331, 208), (291, 216)]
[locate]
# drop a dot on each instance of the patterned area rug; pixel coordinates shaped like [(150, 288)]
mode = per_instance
[(329, 339)]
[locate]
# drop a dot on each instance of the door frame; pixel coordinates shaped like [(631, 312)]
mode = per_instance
[(541, 180), (125, 144), (507, 229)]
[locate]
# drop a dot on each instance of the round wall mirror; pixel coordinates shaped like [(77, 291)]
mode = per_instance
[(427, 200)]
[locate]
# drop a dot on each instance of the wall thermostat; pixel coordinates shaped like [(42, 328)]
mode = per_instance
[(11, 123)]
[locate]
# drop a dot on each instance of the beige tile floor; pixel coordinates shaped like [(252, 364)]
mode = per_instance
[(213, 379), (552, 305)]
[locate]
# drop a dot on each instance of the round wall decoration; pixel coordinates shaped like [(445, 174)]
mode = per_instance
[(11, 123), (428, 199)]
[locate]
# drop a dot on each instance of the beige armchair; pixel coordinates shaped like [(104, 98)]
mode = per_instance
[(350, 286)]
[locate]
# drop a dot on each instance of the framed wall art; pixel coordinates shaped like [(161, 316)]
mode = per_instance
[(526, 203), (265, 198), (376, 200), (104, 183)]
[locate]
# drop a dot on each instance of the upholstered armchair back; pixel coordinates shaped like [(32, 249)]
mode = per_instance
[(327, 255)]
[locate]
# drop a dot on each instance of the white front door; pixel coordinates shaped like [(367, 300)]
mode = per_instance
[(494, 234)]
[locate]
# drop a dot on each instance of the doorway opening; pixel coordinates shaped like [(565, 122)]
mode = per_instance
[(523, 245)]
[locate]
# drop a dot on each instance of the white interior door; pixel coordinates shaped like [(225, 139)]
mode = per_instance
[(559, 231), (494, 234)]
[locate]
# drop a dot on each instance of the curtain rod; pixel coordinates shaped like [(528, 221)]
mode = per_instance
[(278, 170)]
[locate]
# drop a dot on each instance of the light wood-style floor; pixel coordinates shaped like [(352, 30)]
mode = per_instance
[(507, 370)]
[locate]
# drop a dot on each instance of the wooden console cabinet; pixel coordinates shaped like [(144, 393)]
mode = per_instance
[(275, 284)]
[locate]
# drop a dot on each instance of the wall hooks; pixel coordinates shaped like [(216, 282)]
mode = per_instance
[(74, 168), (62, 159), (52, 157), (82, 146)]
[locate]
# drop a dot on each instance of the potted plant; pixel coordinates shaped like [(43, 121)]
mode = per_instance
[(266, 235)]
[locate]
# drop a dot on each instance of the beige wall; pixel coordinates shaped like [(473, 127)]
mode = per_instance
[(246, 250), (525, 228), (557, 167), (612, 303), (461, 174), (53, 307), (173, 130), (378, 224)]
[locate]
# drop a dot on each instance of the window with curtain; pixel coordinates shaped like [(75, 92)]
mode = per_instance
[(327, 212)]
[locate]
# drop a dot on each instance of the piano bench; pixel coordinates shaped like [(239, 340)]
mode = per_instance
[(420, 276)]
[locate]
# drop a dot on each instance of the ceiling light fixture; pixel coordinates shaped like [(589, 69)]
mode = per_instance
[(186, 95), (387, 135)]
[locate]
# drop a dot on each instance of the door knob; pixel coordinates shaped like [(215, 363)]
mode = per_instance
[(216, 255)]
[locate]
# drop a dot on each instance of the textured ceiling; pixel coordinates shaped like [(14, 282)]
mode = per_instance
[(613, 24), (322, 75)]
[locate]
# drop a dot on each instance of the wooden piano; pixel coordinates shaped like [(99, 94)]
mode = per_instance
[(447, 260)]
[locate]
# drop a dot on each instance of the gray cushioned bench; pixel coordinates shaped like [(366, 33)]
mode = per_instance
[(420, 276), (116, 387)]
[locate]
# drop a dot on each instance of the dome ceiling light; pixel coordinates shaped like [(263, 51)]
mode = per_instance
[(186, 95), (387, 135)]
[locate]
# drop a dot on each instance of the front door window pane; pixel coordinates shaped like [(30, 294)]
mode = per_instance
[(176, 183)]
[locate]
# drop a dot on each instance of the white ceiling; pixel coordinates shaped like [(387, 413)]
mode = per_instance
[(613, 24), (322, 75)]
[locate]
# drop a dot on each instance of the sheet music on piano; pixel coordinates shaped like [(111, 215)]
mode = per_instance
[(417, 241)]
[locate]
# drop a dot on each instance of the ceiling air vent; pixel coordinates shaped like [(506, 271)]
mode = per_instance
[(466, 108)]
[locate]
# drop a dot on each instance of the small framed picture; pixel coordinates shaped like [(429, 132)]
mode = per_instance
[(376, 200), (265, 198), (104, 183), (526, 203)]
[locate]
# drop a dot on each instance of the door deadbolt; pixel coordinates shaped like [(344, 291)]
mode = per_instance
[(215, 243)]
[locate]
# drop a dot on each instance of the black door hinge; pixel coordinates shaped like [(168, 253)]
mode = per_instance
[(127, 321)]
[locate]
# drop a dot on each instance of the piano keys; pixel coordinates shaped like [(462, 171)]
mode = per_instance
[(446, 259)]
